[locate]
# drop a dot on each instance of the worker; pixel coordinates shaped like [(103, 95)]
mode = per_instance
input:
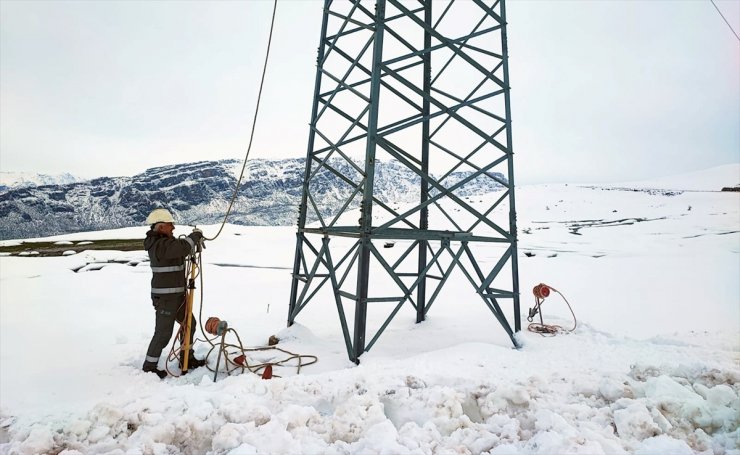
[(167, 255)]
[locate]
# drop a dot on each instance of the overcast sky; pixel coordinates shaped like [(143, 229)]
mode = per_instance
[(601, 90)]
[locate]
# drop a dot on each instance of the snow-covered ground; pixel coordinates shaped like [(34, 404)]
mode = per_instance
[(653, 367)]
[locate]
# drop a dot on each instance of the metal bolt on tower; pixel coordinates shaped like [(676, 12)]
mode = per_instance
[(423, 85)]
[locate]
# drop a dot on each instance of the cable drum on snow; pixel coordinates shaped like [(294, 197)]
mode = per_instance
[(542, 291)]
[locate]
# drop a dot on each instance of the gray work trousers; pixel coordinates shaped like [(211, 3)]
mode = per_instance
[(168, 308)]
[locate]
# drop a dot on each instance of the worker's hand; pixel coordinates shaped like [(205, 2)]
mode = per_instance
[(196, 236)]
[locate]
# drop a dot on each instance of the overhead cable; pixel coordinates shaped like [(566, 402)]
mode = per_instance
[(254, 123), (725, 19)]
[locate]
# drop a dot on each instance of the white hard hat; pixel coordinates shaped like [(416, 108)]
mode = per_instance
[(159, 216)]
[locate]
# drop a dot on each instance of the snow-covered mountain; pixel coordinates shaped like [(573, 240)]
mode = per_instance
[(199, 193), (15, 180)]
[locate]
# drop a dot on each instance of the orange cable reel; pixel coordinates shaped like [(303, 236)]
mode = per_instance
[(541, 292)]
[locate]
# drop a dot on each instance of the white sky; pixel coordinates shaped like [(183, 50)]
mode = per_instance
[(601, 90)]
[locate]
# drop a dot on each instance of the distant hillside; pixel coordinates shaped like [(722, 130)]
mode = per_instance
[(198, 193), (712, 179)]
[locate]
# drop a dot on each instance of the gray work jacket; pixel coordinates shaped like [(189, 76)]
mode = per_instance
[(167, 259)]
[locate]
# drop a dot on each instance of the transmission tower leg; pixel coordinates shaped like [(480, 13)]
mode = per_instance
[(512, 205), (294, 281), (363, 280), (421, 294), (424, 213), (302, 208), (366, 207)]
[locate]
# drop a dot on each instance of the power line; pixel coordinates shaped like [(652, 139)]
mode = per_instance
[(254, 123), (723, 17)]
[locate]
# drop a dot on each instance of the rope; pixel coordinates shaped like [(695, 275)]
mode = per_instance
[(726, 22), (232, 351), (254, 123), (547, 330)]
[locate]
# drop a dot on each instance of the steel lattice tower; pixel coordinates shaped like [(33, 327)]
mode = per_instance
[(424, 83)]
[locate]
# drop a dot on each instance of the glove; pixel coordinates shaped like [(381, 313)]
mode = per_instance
[(196, 236)]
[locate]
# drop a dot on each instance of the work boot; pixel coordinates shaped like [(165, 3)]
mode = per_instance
[(193, 363), (151, 367)]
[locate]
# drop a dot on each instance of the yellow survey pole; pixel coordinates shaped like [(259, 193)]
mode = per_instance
[(188, 314)]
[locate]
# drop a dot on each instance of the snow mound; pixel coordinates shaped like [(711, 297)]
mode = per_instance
[(368, 410)]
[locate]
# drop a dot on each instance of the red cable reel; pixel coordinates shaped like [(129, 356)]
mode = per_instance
[(215, 326), (541, 292)]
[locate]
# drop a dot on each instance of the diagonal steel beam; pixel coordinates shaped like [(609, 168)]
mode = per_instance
[(337, 298), (452, 112), (448, 192), (452, 57), (449, 43)]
